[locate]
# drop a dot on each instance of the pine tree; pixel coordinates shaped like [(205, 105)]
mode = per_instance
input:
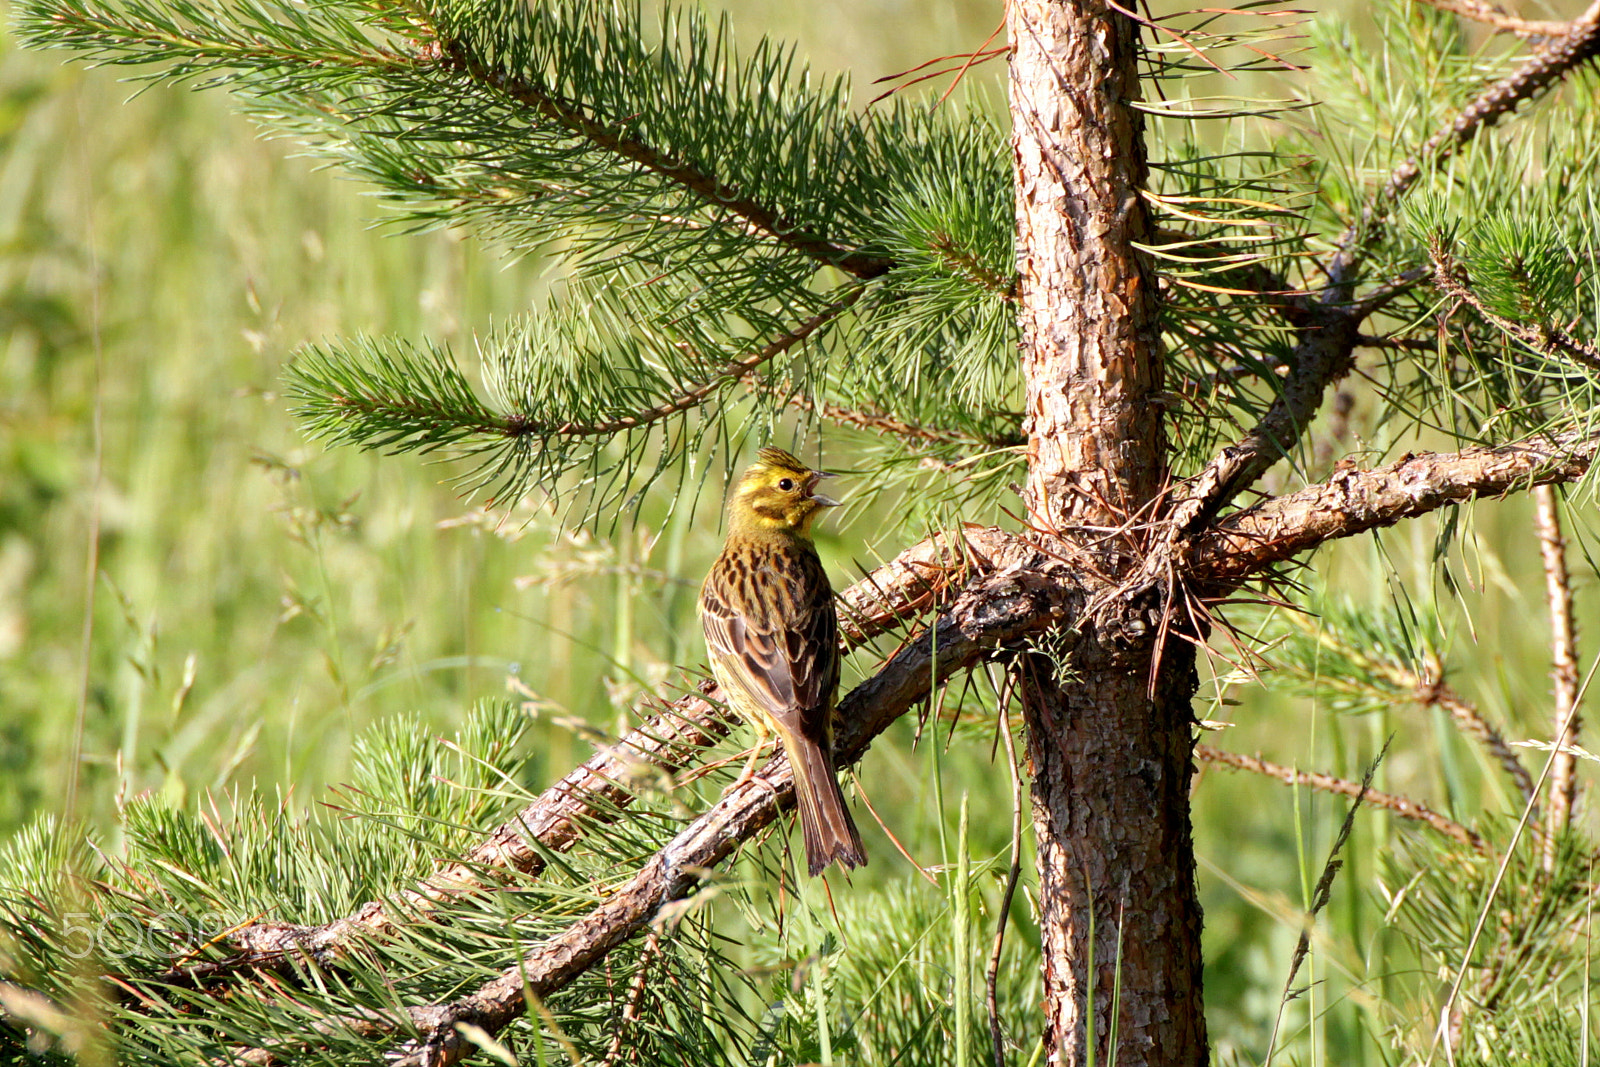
[(1135, 303)]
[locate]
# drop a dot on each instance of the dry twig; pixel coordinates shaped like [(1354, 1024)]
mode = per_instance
[(1402, 806), (1490, 15), (1563, 671)]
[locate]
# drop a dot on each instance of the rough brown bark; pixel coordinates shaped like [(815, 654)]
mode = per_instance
[(1086, 297), (1109, 735)]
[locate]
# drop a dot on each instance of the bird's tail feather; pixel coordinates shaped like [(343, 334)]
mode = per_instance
[(826, 827)]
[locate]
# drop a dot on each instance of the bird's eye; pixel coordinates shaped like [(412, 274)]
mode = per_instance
[(786, 484)]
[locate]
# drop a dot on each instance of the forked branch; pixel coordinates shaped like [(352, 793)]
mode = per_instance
[(992, 611), (1329, 336)]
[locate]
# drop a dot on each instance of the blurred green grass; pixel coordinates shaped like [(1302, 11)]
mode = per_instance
[(162, 264), (159, 263)]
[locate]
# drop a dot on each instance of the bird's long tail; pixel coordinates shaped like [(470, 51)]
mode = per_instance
[(825, 824)]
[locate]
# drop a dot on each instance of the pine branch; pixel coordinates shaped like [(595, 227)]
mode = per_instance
[(1325, 350), (1451, 278), (733, 370), (967, 266), (630, 1012), (1539, 72), (1402, 806), (917, 580), (551, 118), (458, 54), (189, 43), (1249, 541), (1433, 692), (1382, 674), (387, 395)]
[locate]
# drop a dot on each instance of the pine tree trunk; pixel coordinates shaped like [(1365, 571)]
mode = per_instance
[(1110, 749)]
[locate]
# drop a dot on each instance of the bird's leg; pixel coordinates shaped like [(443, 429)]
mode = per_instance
[(763, 735)]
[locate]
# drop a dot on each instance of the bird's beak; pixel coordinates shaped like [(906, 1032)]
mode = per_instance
[(824, 501)]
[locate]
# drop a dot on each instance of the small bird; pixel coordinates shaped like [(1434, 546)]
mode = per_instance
[(773, 635)]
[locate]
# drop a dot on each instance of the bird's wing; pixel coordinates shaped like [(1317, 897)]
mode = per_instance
[(786, 661), (813, 647)]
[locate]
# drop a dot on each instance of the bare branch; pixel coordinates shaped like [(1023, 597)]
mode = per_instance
[(1353, 501), (878, 422), (1490, 15), (992, 611), (1400, 344), (915, 581), (1329, 335), (1404, 807), (919, 579), (1564, 669), (1324, 354)]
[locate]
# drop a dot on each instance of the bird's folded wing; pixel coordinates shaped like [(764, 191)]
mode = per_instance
[(789, 667)]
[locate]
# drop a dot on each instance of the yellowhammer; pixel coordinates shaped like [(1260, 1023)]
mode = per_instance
[(773, 636)]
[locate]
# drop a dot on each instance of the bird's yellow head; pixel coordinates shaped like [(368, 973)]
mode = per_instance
[(777, 495)]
